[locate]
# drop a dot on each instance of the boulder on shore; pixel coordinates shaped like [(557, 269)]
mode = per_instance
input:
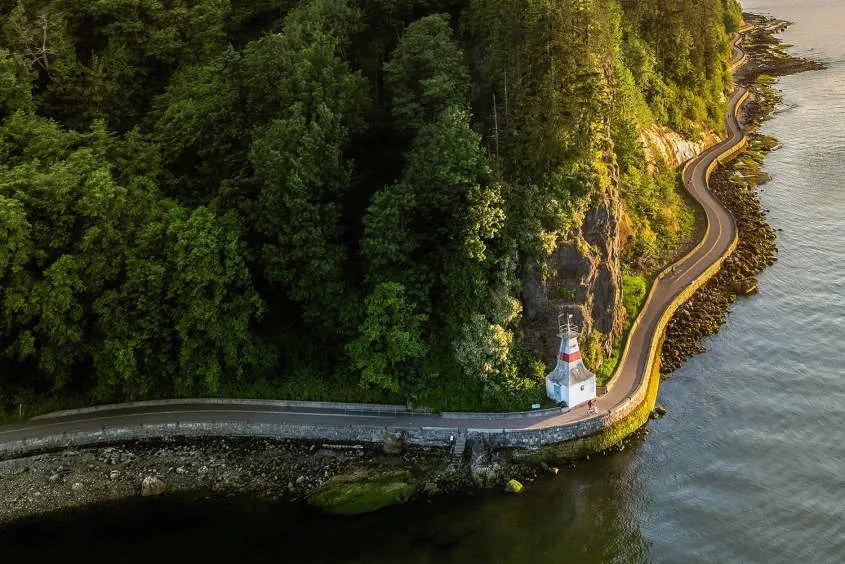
[(394, 443), (152, 485), (514, 487), (745, 286)]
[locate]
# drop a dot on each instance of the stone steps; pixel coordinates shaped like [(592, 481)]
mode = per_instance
[(458, 449)]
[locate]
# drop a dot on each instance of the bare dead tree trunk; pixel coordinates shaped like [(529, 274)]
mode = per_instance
[(34, 38), (507, 108), (495, 126)]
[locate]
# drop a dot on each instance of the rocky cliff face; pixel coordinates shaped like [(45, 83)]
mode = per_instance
[(583, 278), (667, 148), (583, 274)]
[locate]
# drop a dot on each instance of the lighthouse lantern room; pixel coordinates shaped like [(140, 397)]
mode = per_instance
[(570, 382)]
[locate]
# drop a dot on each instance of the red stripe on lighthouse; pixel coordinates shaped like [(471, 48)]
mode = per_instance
[(571, 357)]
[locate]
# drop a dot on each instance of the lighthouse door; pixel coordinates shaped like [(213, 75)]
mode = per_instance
[(557, 392)]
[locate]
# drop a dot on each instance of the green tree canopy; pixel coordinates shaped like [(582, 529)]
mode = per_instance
[(426, 73), (390, 346)]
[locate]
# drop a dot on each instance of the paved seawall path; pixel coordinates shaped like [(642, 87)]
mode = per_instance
[(627, 391)]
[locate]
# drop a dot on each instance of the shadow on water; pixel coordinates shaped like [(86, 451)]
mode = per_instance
[(557, 519)]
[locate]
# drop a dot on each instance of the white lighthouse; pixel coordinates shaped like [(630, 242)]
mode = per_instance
[(570, 382)]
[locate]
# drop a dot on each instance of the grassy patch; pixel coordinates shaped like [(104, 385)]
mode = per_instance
[(634, 290), (605, 372)]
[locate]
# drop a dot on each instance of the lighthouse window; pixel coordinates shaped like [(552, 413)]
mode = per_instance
[(582, 387)]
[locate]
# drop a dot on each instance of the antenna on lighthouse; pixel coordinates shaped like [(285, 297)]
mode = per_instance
[(567, 328)]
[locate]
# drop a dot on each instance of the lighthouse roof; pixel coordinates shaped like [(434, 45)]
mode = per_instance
[(577, 373)]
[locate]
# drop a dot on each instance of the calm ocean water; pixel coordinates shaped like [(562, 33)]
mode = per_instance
[(749, 466)]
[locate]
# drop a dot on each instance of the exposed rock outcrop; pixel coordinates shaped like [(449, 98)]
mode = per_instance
[(486, 466), (583, 278), (667, 148), (583, 274)]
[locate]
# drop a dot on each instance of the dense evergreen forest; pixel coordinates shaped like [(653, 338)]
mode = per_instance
[(332, 199)]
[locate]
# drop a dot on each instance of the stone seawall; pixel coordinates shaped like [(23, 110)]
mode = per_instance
[(426, 436)]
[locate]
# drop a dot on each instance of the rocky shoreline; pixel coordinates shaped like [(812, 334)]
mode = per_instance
[(339, 478), (735, 185), (276, 469)]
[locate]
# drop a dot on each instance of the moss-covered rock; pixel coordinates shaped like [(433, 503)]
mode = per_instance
[(514, 487), (363, 491)]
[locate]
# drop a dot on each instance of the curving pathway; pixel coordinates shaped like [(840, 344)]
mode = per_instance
[(719, 240)]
